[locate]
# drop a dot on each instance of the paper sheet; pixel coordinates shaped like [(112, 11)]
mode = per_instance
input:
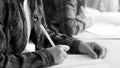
[(81, 61)]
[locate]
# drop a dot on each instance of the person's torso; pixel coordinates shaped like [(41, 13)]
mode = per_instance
[(15, 28)]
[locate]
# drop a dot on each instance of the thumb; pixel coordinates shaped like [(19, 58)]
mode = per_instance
[(91, 53), (65, 48)]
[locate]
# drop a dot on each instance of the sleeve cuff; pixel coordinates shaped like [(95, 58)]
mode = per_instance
[(74, 47), (48, 58)]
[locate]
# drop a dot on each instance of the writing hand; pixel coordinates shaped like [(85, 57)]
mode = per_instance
[(59, 53)]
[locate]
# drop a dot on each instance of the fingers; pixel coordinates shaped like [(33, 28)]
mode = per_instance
[(64, 47), (103, 54), (59, 53), (100, 51), (65, 55), (85, 48), (91, 53)]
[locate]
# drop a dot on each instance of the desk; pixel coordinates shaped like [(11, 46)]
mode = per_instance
[(111, 42), (81, 61), (112, 58)]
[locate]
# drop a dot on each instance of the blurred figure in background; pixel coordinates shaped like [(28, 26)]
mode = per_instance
[(65, 16), (104, 5)]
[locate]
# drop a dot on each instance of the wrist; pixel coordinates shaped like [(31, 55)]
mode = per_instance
[(50, 58)]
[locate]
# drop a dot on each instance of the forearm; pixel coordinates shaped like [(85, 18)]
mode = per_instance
[(66, 40), (27, 60)]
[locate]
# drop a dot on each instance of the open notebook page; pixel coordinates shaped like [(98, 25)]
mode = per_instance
[(81, 61)]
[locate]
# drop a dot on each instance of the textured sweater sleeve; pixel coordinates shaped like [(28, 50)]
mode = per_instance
[(38, 59), (63, 39), (70, 16)]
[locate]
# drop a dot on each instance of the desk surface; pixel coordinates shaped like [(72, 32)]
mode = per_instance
[(112, 43), (81, 61), (112, 58)]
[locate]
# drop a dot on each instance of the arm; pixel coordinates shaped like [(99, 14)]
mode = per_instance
[(27, 60), (40, 58), (65, 40), (92, 49), (69, 16), (68, 22)]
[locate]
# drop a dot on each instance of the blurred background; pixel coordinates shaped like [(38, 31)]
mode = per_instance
[(104, 5), (103, 27), (103, 17)]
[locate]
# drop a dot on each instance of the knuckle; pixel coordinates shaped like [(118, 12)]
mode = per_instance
[(59, 46), (60, 50)]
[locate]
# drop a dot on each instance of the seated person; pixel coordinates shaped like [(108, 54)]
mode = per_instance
[(17, 30), (65, 16)]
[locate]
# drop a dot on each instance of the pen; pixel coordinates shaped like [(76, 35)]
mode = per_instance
[(47, 35)]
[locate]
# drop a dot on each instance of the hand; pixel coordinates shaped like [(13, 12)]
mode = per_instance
[(92, 49), (59, 53)]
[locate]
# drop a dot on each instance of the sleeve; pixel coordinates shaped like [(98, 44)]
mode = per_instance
[(63, 39), (37, 59), (69, 16)]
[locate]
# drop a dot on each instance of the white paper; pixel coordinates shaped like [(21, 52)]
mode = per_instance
[(81, 61), (104, 29)]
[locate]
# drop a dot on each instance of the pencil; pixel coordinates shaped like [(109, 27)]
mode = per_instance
[(47, 35), (83, 10)]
